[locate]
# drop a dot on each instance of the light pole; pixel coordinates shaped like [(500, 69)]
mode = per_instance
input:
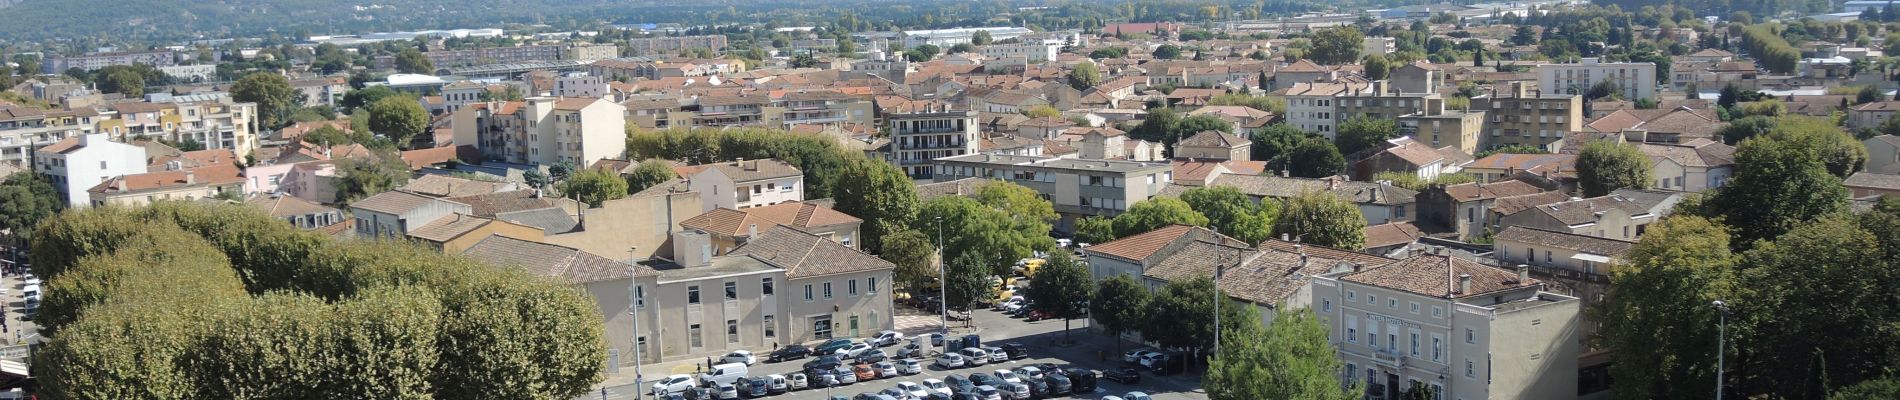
[(943, 283), (633, 312), (1721, 337)]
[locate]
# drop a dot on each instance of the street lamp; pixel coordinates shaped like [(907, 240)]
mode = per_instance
[(943, 283), (1721, 337), (633, 311)]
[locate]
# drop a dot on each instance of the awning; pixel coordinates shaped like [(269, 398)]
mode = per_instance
[(1591, 258)]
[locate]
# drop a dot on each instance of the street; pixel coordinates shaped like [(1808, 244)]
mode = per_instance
[(994, 328)]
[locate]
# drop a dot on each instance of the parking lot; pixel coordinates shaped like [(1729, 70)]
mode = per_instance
[(994, 328)]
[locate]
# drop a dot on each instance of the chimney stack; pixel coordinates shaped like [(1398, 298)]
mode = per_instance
[(1464, 283), (752, 231), (1523, 274)]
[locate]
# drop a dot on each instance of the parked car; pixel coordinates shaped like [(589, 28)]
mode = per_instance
[(1013, 391), (873, 355), (797, 381), (1136, 396), (698, 393), (1134, 356), (981, 379), (1016, 351), (989, 392), (758, 386), (936, 339), (911, 350), (724, 373), (1169, 363), (1081, 380), (864, 372), (1127, 375), (950, 361), (937, 385), (823, 363), (1006, 303), (959, 384), (1036, 315), (997, 354), (674, 384), (1029, 373), (789, 352), (909, 366), (1007, 375), (872, 396), (913, 389), (885, 369), (739, 357), (824, 379), (895, 393), (846, 375), (855, 350), (1058, 385), (974, 357), (887, 338), (832, 346), (725, 391)]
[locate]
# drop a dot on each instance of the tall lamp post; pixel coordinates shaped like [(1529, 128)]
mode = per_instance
[(633, 311), (943, 283), (1721, 337)]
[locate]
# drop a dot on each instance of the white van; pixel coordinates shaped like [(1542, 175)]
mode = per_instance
[(729, 373)]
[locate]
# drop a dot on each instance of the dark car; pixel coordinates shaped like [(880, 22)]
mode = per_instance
[(959, 384), (822, 379), (832, 346), (983, 379), (1169, 363), (872, 357), (789, 352), (823, 363), (758, 386), (1128, 375), (1049, 368), (1037, 388), (698, 393), (1081, 380), (1016, 351), (911, 350), (1058, 384)]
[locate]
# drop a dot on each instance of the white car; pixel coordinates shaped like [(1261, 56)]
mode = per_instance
[(894, 393), (739, 357), (674, 384), (950, 360), (1134, 356), (1136, 396), (798, 381), (974, 356), (1007, 376), (997, 354), (1030, 373), (1148, 360), (937, 385), (909, 366), (854, 351), (1004, 305), (887, 338), (885, 369), (913, 389)]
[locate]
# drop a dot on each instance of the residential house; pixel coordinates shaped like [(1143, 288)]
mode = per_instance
[(1465, 209), (614, 284), (303, 214), (1418, 77), (729, 228), (1309, 105), (1214, 145), (1867, 184), (1388, 238), (1502, 166), (1571, 265), (1458, 130), (745, 183), (395, 214), (1411, 157), (1133, 255), (1695, 166), (1077, 187), (1611, 216), (1461, 328), (919, 136), (458, 231), (1883, 154), (1677, 125), (1871, 115), (81, 162), (185, 184)]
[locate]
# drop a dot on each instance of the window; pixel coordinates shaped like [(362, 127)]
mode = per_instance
[(827, 290), (692, 294), (639, 296), (1391, 302), (765, 287), (807, 292), (1414, 307), (1352, 329), (1400, 211), (692, 331), (1438, 348), (1351, 295), (1326, 305), (732, 290), (1470, 337), (732, 331), (755, 189), (1415, 343), (1352, 371), (851, 287), (1372, 299), (1546, 256), (1470, 369), (1438, 311), (870, 284), (771, 330), (1372, 334)]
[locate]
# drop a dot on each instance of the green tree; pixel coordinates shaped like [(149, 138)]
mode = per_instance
[(271, 92), (1275, 141), (878, 193), (1084, 76), (1524, 36), (973, 229), (1323, 219), (401, 119), (1681, 265), (1167, 52), (962, 48), (915, 257), (1779, 183), (966, 281), (928, 50), (1875, 389), (362, 177), (650, 172), (25, 199), (1120, 306), (1337, 45), (1796, 343), (1159, 124), (1376, 66), (1061, 289), (1186, 309), (123, 81), (1094, 229), (1747, 127), (1290, 359), (1315, 158), (1361, 133), (594, 187), (1234, 213), (1604, 166), (1042, 111), (1510, 149), (411, 61), (980, 38), (1154, 213), (1868, 94), (365, 96)]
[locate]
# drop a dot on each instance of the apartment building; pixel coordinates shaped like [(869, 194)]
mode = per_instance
[(1033, 53), (578, 84), (395, 214), (495, 55), (1078, 188), (732, 110), (544, 130), (917, 137), (1611, 217), (1309, 105), (1378, 101), (94, 61), (1444, 128), (950, 37), (1380, 45), (1530, 118), (590, 52), (24, 128), (460, 94), (825, 108), (664, 45), (1466, 330), (143, 189), (78, 163), (1636, 80), (326, 91), (745, 184)]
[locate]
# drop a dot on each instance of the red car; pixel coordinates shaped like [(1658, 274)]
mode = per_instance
[(1037, 315)]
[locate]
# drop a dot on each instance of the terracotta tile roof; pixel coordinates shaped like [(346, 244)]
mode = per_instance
[(1140, 246), (1303, 66), (489, 204), (1197, 259), (214, 175), (1438, 276), (1515, 204), (1526, 162), (449, 227), (62, 146), (1391, 234), (751, 170), (1324, 253), (1711, 53), (1194, 171), (570, 264), (551, 220), (1587, 244), (1873, 181), (804, 255), (1415, 153), (449, 186), (1482, 191), (1584, 211), (1214, 139), (739, 223)]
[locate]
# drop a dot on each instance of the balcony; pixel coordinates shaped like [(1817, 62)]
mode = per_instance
[(931, 145), (1390, 358)]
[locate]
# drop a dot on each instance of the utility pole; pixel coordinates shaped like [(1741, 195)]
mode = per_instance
[(1721, 337), (633, 311), (943, 284)]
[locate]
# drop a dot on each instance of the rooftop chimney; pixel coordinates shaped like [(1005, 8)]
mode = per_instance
[(752, 231), (1523, 274), (1464, 283)]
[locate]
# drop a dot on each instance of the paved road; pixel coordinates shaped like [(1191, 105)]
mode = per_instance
[(997, 328)]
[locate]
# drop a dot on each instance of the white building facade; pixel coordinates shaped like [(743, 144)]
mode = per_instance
[(1635, 80)]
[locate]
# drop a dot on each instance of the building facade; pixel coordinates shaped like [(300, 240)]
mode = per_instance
[(1634, 79), (1524, 117), (1078, 188), (79, 163), (746, 184), (544, 130), (919, 137), (673, 44)]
